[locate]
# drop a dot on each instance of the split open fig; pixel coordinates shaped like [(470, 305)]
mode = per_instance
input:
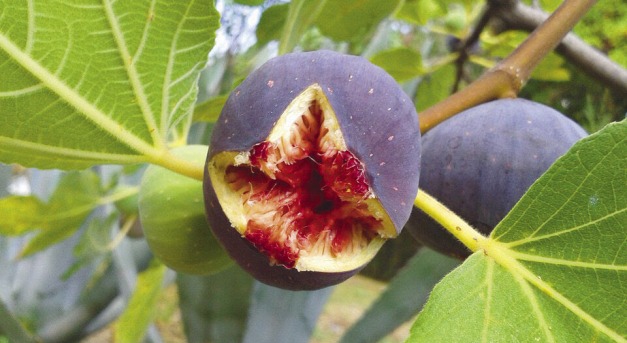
[(312, 166)]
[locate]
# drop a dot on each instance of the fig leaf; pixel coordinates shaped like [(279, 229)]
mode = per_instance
[(555, 269), (404, 296), (346, 20), (133, 323), (402, 63), (76, 196), (99, 84)]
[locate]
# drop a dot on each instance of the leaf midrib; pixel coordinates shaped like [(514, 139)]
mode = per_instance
[(76, 154), (504, 257), (497, 234), (133, 75), (563, 262), (76, 100), (598, 220)]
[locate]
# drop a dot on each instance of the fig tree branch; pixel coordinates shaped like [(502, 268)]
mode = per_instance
[(586, 58), (508, 77)]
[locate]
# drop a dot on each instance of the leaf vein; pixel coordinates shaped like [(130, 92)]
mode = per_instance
[(502, 255), (487, 310), (562, 262), (11, 144), (533, 301), (166, 114), (30, 31), (564, 231), (70, 96), (21, 92), (142, 41), (136, 84)]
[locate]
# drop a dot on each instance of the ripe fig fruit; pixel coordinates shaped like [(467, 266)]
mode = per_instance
[(311, 168), (172, 215), (480, 162)]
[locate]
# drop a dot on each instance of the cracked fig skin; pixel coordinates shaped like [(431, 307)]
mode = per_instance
[(311, 168)]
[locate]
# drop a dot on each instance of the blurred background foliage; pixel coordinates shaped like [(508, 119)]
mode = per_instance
[(75, 279), (416, 41)]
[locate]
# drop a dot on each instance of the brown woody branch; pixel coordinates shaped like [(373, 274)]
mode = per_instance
[(513, 15), (508, 77)]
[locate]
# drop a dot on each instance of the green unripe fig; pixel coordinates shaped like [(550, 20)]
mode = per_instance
[(129, 210), (128, 206), (172, 214)]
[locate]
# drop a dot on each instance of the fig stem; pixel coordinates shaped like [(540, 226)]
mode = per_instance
[(453, 223), (508, 77), (179, 165), (119, 195), (126, 227)]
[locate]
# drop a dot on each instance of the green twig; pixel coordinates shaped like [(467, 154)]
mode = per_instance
[(179, 165)]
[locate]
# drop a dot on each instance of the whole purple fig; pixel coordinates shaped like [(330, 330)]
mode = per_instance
[(480, 162)]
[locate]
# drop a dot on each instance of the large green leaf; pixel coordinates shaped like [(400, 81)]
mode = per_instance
[(555, 269), (277, 315), (402, 63), (214, 308), (271, 23), (404, 296), (250, 2), (209, 111), (435, 87), (76, 196), (132, 324), (351, 19), (419, 12), (87, 82), (300, 15)]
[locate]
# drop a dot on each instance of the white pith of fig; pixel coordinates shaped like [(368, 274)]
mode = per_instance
[(300, 196)]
